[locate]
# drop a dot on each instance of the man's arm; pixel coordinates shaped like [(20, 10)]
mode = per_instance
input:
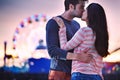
[(52, 39)]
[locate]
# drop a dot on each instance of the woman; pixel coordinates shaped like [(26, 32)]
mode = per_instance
[(92, 39)]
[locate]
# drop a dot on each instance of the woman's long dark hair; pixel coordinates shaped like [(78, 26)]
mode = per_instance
[(97, 21)]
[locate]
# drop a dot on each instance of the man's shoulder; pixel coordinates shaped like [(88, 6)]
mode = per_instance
[(51, 20), (52, 24)]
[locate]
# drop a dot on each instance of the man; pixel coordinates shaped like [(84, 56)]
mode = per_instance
[(60, 68)]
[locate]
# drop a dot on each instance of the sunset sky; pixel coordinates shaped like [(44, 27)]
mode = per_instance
[(12, 12)]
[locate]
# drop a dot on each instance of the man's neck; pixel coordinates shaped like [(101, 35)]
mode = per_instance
[(66, 15)]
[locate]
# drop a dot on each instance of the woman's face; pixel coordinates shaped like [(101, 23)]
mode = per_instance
[(84, 16)]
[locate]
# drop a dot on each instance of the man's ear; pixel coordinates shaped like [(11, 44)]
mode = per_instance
[(71, 7)]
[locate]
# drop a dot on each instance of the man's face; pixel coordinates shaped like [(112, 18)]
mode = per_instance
[(79, 9), (84, 16)]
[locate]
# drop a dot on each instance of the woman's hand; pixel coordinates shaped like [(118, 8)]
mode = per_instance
[(83, 57), (59, 21)]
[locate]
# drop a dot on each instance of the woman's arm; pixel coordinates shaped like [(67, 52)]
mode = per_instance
[(71, 56), (74, 42), (84, 57)]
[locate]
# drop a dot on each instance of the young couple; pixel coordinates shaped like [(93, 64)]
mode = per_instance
[(86, 46)]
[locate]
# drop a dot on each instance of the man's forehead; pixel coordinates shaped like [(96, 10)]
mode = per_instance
[(82, 3), (83, 0)]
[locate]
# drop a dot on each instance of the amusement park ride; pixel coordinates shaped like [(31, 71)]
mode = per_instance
[(26, 39)]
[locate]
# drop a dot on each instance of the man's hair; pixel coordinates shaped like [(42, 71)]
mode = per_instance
[(73, 2)]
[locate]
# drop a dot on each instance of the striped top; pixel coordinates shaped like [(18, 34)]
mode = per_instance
[(83, 41)]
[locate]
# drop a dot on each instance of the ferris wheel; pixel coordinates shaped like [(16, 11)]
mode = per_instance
[(28, 33)]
